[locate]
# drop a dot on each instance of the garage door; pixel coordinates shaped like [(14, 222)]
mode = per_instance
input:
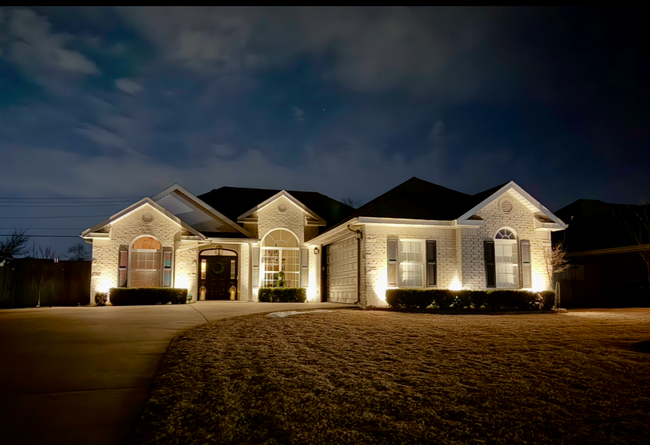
[(342, 271)]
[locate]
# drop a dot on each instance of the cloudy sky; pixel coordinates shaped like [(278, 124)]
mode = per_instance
[(350, 102)]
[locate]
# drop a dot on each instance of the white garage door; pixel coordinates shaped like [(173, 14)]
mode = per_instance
[(342, 271)]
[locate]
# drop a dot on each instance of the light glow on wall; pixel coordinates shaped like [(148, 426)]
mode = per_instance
[(540, 282), (183, 282), (455, 284), (380, 286), (311, 294), (104, 284)]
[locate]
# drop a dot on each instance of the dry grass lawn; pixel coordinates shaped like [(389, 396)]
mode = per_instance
[(352, 377)]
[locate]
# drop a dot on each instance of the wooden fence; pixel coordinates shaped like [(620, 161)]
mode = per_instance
[(32, 282)]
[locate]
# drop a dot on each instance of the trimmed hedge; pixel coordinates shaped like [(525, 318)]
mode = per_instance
[(126, 296), (282, 295), (548, 299), (467, 300)]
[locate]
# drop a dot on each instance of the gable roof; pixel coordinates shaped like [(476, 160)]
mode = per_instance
[(237, 201), (484, 198), (423, 200), (88, 233), (283, 193), (213, 213)]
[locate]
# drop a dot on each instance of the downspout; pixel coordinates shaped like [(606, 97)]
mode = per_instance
[(359, 236)]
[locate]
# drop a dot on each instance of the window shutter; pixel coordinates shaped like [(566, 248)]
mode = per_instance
[(304, 267), (123, 266), (392, 262), (168, 254), (490, 269), (526, 270), (432, 269), (256, 266)]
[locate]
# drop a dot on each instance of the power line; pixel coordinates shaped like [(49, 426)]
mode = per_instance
[(47, 236), (43, 228), (30, 206), (70, 198), (53, 217)]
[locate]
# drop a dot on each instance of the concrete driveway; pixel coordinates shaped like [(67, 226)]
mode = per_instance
[(82, 374)]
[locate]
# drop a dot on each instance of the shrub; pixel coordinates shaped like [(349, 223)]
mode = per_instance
[(462, 300), (410, 298), (282, 295), (101, 298), (445, 299), (125, 296), (513, 300), (548, 300)]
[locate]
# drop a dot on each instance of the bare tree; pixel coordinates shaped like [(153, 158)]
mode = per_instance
[(556, 262), (15, 245), (637, 224), (47, 253), (78, 252), (351, 202)]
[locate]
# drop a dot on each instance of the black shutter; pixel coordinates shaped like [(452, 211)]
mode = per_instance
[(432, 269), (392, 262), (526, 272), (490, 268), (123, 266)]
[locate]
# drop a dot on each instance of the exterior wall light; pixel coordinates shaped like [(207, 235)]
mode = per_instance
[(316, 251)]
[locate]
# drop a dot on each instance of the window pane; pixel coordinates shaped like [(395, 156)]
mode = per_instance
[(507, 263), (167, 278), (168, 260), (203, 268), (410, 275), (410, 251), (233, 269)]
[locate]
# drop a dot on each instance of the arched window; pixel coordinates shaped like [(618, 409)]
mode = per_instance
[(506, 255), (145, 268), (280, 253)]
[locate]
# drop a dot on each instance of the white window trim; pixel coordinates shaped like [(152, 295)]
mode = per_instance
[(496, 263), (423, 263), (281, 250)]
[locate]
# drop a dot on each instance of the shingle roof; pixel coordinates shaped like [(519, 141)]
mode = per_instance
[(594, 225), (234, 201), (419, 199)]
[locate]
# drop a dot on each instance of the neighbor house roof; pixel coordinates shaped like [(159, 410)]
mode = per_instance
[(235, 201), (595, 225)]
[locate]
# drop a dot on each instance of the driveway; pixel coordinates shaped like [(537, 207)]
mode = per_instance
[(82, 374)]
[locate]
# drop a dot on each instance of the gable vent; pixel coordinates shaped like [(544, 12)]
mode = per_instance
[(506, 206)]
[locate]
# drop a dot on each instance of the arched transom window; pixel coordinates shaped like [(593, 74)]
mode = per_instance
[(145, 268), (280, 253), (506, 255)]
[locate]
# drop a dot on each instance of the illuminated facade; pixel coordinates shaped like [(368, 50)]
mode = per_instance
[(231, 241)]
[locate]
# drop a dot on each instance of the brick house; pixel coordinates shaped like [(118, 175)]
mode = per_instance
[(231, 241)]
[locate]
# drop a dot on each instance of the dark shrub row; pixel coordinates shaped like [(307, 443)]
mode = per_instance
[(123, 296), (496, 300), (282, 295)]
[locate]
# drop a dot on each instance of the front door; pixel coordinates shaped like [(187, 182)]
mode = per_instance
[(221, 275)]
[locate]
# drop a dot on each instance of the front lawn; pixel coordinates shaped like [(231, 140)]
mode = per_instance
[(352, 376)]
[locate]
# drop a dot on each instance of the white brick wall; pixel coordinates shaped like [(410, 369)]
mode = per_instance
[(269, 219), (521, 220), (460, 259), (122, 233), (374, 260)]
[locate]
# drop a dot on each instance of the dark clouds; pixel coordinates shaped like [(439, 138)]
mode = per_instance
[(347, 101)]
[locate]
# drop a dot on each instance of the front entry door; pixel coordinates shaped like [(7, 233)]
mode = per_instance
[(221, 275)]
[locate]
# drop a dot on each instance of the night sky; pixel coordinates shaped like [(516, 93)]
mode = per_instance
[(350, 102)]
